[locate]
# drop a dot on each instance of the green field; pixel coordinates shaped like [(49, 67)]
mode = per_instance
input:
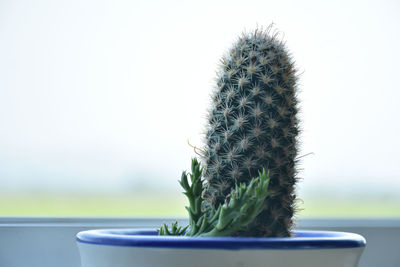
[(164, 204)]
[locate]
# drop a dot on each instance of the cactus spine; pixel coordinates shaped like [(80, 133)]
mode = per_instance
[(251, 125)]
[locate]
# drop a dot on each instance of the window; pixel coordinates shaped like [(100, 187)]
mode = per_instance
[(97, 100)]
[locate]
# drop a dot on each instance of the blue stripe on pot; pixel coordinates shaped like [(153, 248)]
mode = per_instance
[(149, 238)]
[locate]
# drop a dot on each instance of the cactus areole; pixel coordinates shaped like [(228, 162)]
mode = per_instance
[(252, 125)]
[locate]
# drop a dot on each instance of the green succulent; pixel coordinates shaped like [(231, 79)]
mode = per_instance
[(175, 230), (240, 208)]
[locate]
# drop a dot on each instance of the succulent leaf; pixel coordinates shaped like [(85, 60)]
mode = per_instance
[(175, 229)]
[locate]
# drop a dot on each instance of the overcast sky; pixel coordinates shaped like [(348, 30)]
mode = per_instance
[(106, 93)]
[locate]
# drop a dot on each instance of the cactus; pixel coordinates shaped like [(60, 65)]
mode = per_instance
[(252, 125)]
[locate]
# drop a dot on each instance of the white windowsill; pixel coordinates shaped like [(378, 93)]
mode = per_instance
[(45, 242)]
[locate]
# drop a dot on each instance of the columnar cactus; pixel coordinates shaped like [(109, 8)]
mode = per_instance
[(252, 125)]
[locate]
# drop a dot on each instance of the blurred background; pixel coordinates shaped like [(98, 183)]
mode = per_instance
[(99, 98)]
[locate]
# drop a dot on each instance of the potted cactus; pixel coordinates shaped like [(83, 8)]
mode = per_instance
[(241, 196)]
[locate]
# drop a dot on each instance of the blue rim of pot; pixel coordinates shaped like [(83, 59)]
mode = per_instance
[(149, 238)]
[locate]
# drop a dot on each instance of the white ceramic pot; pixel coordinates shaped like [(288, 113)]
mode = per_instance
[(143, 248)]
